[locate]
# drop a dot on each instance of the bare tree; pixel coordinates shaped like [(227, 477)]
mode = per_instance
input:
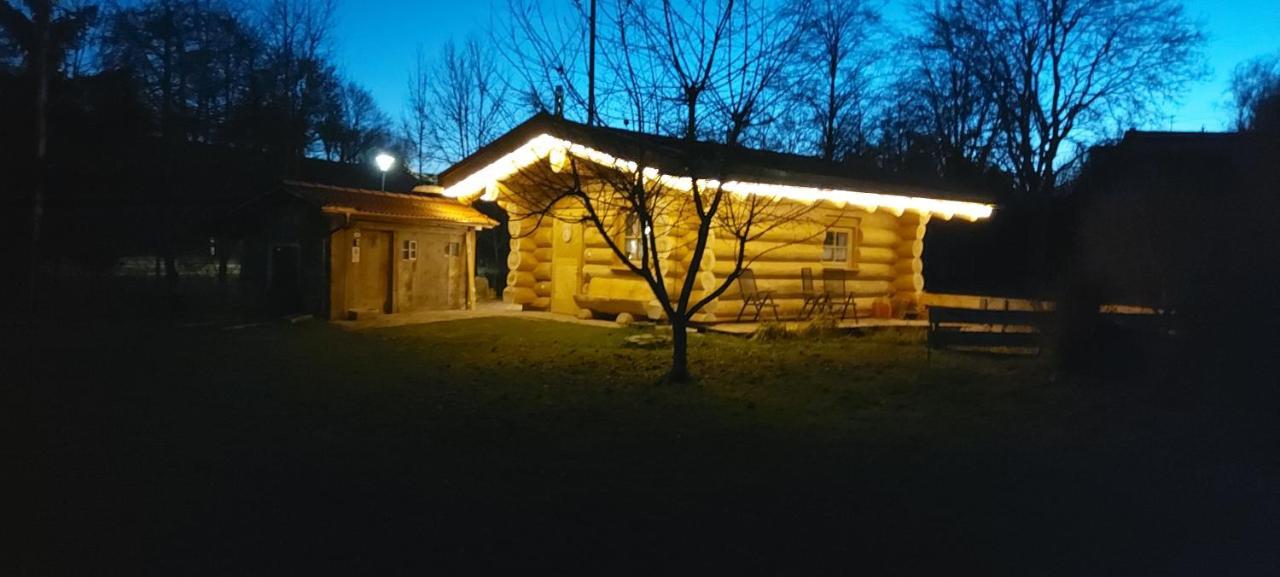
[(415, 121), (944, 121), (469, 101), (1255, 90), (353, 127), (547, 50), (723, 66), (839, 50), (1060, 70), (297, 77), (43, 34)]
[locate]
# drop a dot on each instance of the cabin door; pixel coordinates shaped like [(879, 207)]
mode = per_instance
[(566, 267)]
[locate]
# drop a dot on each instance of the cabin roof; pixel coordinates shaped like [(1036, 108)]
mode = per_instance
[(405, 205), (720, 161)]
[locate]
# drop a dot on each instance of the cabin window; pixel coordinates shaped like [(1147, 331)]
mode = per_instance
[(633, 238), (409, 250), (453, 249), (836, 247)]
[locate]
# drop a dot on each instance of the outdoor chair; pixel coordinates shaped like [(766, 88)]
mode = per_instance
[(837, 294), (753, 296), (813, 300)]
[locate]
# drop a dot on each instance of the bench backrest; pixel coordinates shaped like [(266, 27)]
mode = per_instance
[(747, 284), (938, 315), (833, 281)]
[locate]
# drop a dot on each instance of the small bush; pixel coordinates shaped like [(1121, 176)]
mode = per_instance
[(770, 331), (821, 326)]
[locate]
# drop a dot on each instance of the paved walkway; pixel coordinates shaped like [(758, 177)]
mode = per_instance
[(486, 309), (491, 309), (744, 329)]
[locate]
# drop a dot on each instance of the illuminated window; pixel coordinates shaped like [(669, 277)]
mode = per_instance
[(633, 238), (409, 250), (453, 249), (836, 246)]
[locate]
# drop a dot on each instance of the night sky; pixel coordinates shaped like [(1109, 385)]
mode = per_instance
[(377, 44)]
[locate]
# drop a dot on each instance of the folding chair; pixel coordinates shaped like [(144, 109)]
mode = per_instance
[(813, 300), (837, 295), (753, 296)]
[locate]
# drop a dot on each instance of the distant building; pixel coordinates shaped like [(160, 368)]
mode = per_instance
[(1181, 221), (349, 252)]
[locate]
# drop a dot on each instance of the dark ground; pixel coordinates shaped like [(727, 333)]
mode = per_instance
[(513, 446)]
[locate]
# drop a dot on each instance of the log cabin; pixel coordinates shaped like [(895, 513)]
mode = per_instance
[(873, 229)]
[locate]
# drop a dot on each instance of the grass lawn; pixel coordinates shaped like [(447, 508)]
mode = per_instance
[(505, 445)]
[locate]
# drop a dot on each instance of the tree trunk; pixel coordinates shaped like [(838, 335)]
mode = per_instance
[(679, 352), (42, 13)]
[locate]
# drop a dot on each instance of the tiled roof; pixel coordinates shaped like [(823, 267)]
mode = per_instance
[(387, 204)]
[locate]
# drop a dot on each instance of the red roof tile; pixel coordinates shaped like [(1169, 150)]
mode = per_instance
[(387, 204)]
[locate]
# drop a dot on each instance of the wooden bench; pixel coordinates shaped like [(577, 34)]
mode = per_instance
[(954, 327)]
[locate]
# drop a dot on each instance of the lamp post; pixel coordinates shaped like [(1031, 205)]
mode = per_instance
[(385, 162)]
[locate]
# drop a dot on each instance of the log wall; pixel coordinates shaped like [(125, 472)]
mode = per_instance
[(885, 253), (885, 262), (529, 262)]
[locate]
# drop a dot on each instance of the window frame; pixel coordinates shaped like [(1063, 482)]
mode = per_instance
[(633, 230), (409, 250), (850, 235)]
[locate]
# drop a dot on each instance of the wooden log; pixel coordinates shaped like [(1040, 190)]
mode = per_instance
[(539, 303), (908, 266), (909, 283), (763, 269), (542, 253), (543, 288), (873, 270), (591, 237), (793, 287), (543, 236), (910, 248), (912, 231), (521, 261), (597, 270), (793, 232), (873, 254), (518, 295), (877, 219), (598, 256), (771, 251), (520, 278), (542, 271), (517, 226), (879, 237), (522, 244)]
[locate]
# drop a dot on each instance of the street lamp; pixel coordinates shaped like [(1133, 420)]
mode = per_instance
[(385, 162)]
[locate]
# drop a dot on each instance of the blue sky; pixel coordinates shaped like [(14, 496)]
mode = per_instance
[(378, 42)]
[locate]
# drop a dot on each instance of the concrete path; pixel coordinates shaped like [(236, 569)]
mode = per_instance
[(486, 309), (745, 328)]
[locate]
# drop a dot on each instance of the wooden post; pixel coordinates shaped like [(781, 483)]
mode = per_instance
[(470, 267)]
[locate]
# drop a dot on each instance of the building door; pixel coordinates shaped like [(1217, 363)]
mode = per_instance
[(284, 290), (566, 267), (373, 272)]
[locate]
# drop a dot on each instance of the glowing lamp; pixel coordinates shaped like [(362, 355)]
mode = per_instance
[(384, 161)]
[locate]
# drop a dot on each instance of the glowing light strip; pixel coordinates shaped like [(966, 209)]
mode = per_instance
[(545, 146)]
